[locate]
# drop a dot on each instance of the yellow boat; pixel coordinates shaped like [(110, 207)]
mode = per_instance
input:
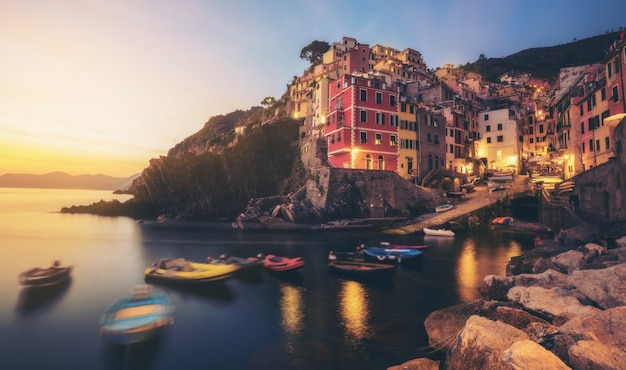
[(187, 272)]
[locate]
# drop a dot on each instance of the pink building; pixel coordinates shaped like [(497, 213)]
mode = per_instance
[(362, 123)]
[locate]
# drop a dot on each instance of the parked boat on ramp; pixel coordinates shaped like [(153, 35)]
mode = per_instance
[(438, 232), (443, 208)]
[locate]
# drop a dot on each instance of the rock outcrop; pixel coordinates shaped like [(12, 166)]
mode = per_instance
[(565, 311)]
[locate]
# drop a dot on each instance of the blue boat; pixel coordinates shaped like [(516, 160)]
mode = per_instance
[(138, 317), (393, 255)]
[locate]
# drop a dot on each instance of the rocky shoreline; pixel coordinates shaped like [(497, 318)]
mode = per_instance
[(558, 307)]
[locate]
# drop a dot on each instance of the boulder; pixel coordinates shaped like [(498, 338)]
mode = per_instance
[(552, 302), (569, 261), (605, 326), (526, 354), (605, 287), (481, 343), (587, 354), (497, 286), (417, 364)]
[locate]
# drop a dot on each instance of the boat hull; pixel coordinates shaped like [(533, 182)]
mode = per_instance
[(44, 277), (282, 264), (362, 270), (200, 273), (137, 318), (443, 208), (393, 255), (438, 232)]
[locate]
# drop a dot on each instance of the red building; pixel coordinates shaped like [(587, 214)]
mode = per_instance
[(362, 123)]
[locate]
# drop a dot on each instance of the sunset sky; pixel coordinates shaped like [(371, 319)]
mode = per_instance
[(92, 86)]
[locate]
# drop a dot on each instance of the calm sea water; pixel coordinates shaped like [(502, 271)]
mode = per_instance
[(264, 322)]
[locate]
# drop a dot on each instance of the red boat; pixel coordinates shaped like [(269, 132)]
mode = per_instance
[(279, 264)]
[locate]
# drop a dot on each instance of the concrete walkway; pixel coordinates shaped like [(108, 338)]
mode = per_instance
[(470, 203)]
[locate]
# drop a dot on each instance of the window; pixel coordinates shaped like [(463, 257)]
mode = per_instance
[(582, 127), (486, 117), (382, 119), (598, 145), (488, 128), (615, 95), (403, 107), (589, 105), (363, 116), (607, 143), (392, 100), (429, 138), (530, 130), (499, 127), (368, 162), (582, 148), (339, 136), (377, 118), (500, 138), (436, 139), (591, 124), (488, 140), (363, 137), (379, 139), (379, 98), (541, 129), (393, 120), (591, 145), (411, 109), (392, 140), (531, 140), (381, 162), (363, 95)]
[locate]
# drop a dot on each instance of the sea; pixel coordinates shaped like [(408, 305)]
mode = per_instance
[(315, 320)]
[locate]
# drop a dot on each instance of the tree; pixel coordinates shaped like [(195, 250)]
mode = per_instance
[(268, 101), (314, 51)]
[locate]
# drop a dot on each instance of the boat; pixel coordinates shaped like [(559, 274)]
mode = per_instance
[(357, 256), (137, 317), (401, 246), (502, 220), (186, 272), (438, 232), (282, 264), (468, 187), (362, 269), (455, 194), (443, 207), (397, 255), (46, 276), (244, 264)]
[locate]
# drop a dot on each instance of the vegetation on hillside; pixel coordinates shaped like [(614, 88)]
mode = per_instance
[(545, 62)]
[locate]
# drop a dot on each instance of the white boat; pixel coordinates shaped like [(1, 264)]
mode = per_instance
[(443, 207), (438, 232)]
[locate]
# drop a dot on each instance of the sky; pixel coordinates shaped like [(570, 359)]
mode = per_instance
[(101, 87)]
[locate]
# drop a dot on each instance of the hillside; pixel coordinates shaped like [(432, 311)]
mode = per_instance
[(61, 180), (545, 62)]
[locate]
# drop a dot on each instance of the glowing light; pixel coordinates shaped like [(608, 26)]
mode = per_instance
[(467, 271), (354, 310), (291, 309)]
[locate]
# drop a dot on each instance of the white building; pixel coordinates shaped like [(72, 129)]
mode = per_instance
[(499, 139)]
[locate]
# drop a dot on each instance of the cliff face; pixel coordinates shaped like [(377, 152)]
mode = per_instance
[(210, 186)]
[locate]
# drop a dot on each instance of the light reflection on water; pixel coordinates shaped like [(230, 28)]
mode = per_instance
[(354, 312)]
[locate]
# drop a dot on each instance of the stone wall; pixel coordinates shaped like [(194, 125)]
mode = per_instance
[(368, 194)]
